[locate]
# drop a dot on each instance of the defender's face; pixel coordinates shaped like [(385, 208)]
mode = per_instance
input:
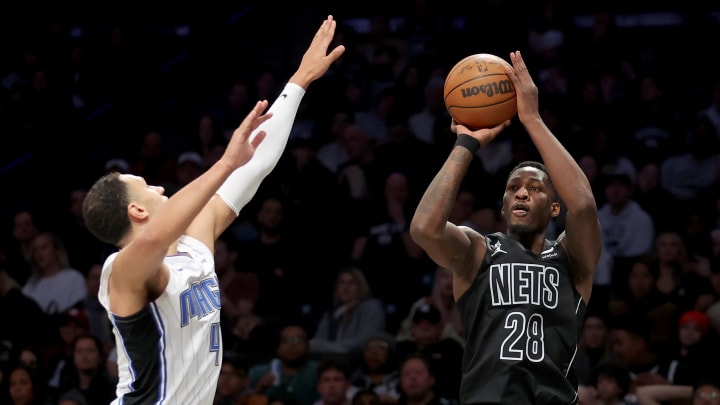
[(143, 193), (528, 201)]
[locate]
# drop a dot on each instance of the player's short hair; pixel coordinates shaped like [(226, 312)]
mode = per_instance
[(105, 209)]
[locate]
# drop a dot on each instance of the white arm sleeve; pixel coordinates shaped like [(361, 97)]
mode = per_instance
[(243, 183)]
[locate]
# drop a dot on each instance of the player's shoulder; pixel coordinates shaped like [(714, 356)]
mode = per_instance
[(107, 265), (495, 236), (187, 242)]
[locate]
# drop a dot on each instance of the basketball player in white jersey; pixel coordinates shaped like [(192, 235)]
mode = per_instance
[(160, 289)]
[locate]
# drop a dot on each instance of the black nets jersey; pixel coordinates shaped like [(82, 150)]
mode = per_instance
[(522, 319)]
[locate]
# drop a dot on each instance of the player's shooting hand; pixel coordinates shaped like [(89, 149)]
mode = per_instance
[(525, 88), (484, 135), (241, 147)]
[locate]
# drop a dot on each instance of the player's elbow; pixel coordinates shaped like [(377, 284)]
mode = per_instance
[(423, 232), (586, 207)]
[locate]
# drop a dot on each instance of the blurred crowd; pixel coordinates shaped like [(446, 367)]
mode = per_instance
[(325, 298)]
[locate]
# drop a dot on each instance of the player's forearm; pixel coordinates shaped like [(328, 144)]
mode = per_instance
[(278, 127), (244, 182), (435, 206), (569, 180), (182, 208), (302, 79)]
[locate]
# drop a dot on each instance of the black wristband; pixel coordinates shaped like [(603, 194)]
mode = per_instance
[(468, 142)]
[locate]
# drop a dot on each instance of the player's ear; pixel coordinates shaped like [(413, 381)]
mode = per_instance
[(554, 209), (137, 212)]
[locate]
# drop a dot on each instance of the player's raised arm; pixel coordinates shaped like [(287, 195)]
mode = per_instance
[(153, 223), (459, 249), (242, 184), (581, 237)]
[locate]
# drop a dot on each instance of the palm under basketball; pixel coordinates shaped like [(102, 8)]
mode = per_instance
[(478, 93)]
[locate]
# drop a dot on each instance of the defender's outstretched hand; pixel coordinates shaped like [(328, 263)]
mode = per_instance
[(240, 148), (316, 60)]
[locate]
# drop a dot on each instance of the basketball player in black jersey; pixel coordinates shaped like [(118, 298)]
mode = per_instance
[(522, 297)]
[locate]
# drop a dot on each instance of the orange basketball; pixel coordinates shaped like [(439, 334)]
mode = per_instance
[(478, 93)]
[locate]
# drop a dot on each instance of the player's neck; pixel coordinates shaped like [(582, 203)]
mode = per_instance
[(532, 242)]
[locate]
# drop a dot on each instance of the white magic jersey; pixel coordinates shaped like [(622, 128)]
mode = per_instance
[(171, 351)]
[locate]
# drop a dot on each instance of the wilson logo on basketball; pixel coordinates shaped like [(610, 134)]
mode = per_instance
[(490, 89)]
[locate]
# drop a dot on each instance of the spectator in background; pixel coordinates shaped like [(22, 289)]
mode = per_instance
[(444, 354), (275, 257), (686, 175), (692, 346), (86, 373), (683, 276), (188, 167), (441, 297), (250, 337), (417, 383), (654, 199), (627, 229), (292, 373), (117, 165), (631, 347), (333, 383), (366, 397), (25, 386), (82, 247), (613, 384), (332, 153), (239, 288), (19, 252), (359, 177), (373, 120), (353, 317), (56, 286), (312, 191), (594, 345), (71, 325), (72, 397), (589, 164), (640, 297), (23, 321), (29, 356), (384, 249), (208, 141), (153, 161), (433, 110), (378, 369), (236, 104), (612, 157), (233, 385), (404, 153)]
